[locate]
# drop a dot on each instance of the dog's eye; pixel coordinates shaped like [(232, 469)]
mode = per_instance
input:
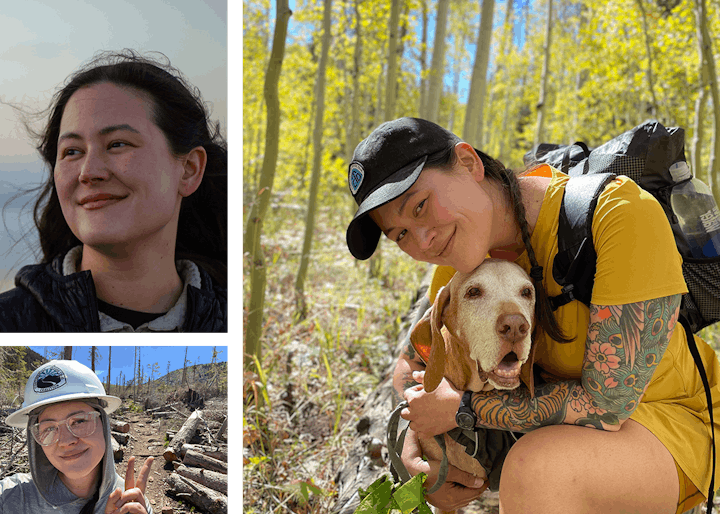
[(527, 292), (473, 292)]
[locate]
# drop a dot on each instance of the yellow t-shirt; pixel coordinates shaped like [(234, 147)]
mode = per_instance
[(637, 260)]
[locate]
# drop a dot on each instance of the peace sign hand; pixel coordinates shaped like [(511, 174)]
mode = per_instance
[(132, 500)]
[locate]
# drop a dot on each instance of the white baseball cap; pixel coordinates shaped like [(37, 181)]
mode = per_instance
[(61, 381)]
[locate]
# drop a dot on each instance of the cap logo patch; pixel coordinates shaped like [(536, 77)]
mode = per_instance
[(357, 174), (49, 379)]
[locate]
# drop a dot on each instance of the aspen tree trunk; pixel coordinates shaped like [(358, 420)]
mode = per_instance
[(705, 45), (375, 262), (654, 108), (423, 61), (258, 279), (473, 130), (509, 87), (540, 127), (391, 84), (437, 69), (317, 156), (459, 45), (696, 144), (353, 133), (260, 203)]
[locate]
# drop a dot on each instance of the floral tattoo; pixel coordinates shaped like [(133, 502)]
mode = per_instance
[(623, 348)]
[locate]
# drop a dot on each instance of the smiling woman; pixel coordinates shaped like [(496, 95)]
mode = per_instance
[(132, 218), (72, 469)]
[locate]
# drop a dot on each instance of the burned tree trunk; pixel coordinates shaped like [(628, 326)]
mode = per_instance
[(368, 458), (198, 460), (215, 452), (119, 426), (197, 494), (212, 479), (183, 436)]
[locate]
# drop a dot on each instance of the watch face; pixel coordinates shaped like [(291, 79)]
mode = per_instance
[(465, 420)]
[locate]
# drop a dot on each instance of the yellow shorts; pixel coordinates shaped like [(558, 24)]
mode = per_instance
[(689, 495)]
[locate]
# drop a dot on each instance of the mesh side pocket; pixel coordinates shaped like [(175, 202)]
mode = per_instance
[(703, 302), (627, 165)]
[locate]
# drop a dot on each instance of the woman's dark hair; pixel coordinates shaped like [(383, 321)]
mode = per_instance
[(179, 112), (495, 170)]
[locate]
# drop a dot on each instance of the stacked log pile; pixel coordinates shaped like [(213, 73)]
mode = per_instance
[(120, 431), (200, 476)]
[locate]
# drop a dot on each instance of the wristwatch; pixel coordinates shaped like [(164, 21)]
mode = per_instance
[(465, 416)]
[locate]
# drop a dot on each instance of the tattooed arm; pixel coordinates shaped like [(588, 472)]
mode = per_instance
[(623, 347)]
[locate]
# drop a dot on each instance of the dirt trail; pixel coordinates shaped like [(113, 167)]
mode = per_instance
[(148, 439)]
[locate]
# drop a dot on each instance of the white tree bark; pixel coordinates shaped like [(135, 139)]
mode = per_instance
[(317, 157), (437, 69), (257, 213), (705, 45), (540, 127), (392, 67), (473, 130)]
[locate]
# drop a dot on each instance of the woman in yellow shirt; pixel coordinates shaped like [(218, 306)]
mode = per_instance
[(625, 428)]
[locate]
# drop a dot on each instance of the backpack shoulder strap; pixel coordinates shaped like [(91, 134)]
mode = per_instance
[(574, 264)]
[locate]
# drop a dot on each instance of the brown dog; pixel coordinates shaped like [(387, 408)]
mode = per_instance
[(478, 336)]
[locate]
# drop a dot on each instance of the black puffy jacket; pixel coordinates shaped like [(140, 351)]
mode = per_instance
[(44, 300)]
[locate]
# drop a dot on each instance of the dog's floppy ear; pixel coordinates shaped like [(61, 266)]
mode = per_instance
[(421, 336), (436, 363)]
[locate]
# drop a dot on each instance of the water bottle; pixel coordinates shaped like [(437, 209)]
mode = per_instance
[(697, 212)]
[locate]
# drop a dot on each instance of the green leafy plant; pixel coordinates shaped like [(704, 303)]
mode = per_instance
[(385, 496)]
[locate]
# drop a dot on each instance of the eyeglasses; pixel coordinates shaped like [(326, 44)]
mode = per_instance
[(80, 425)]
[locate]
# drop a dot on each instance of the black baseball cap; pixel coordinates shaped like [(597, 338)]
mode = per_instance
[(385, 165)]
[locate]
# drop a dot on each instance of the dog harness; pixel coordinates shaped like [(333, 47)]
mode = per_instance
[(489, 447)]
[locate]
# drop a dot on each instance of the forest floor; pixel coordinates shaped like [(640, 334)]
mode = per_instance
[(147, 438), (317, 372)]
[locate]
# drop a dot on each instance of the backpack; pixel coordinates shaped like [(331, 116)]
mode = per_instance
[(645, 154)]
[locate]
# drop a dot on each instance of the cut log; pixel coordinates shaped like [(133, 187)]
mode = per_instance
[(118, 452), (211, 479), (215, 452), (120, 438), (119, 426), (362, 467), (186, 432), (164, 414), (203, 497), (198, 460)]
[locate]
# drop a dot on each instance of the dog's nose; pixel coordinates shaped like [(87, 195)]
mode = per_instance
[(512, 327)]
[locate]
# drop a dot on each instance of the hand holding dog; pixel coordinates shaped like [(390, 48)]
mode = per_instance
[(459, 489), (431, 414)]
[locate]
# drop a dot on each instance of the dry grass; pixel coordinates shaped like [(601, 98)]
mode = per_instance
[(317, 373)]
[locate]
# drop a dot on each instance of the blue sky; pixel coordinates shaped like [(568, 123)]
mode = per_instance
[(123, 356), (466, 74)]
